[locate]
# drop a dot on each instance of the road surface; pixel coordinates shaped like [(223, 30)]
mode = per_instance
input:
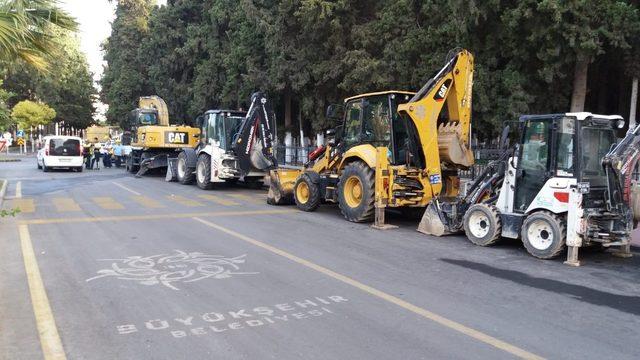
[(100, 265)]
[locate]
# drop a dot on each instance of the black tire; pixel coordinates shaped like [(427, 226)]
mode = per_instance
[(45, 168), (204, 180), (364, 210), (38, 164), (541, 228), (311, 182), (79, 169), (184, 173), (482, 224), (130, 167)]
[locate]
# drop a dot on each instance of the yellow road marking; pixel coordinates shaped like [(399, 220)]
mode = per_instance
[(475, 334), (147, 202), (218, 199), (19, 189), (256, 199), (65, 204), (25, 205), (126, 188), (49, 337), (152, 217), (107, 203), (184, 201)]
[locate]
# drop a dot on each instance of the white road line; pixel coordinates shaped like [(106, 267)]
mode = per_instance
[(18, 189), (125, 188)]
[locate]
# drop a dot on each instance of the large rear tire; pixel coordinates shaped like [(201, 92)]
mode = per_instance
[(184, 174), (203, 172), (482, 224), (544, 235), (356, 192), (307, 192)]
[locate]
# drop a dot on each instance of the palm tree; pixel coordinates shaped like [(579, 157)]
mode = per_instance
[(28, 30)]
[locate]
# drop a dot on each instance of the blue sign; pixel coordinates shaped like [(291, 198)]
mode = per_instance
[(20, 133)]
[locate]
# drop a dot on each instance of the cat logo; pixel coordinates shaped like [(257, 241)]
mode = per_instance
[(442, 92), (176, 137)]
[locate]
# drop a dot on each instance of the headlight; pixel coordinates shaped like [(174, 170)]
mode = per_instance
[(620, 124)]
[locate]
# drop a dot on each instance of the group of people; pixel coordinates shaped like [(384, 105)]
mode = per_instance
[(110, 153)]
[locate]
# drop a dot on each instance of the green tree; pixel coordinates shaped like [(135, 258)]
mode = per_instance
[(67, 87), (28, 113), (5, 113), (125, 77), (27, 30)]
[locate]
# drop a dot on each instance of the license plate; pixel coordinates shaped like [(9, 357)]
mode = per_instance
[(65, 160)]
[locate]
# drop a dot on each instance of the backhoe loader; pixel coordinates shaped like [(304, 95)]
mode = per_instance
[(567, 184), (233, 145), (153, 139), (394, 149)]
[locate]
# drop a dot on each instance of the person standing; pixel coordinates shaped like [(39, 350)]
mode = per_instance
[(117, 153), (96, 155)]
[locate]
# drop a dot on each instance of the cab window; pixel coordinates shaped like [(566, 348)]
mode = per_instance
[(375, 125), (352, 123)]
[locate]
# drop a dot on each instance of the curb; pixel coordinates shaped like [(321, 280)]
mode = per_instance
[(3, 190)]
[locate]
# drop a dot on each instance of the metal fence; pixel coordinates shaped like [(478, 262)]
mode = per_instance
[(293, 155)]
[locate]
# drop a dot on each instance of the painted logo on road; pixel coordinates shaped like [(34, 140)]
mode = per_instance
[(171, 269)]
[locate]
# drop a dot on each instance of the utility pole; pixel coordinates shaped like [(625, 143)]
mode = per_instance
[(634, 103)]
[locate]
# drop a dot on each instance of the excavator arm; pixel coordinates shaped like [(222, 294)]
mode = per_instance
[(443, 142), (253, 144)]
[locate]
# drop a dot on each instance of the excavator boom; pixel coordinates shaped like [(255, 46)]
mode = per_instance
[(444, 142)]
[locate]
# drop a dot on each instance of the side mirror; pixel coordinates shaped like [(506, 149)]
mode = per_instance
[(504, 138), (200, 120), (335, 112)]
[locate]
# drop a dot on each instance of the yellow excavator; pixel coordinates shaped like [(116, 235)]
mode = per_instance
[(153, 139), (394, 149)]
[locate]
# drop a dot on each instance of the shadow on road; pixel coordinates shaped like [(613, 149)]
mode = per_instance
[(625, 303)]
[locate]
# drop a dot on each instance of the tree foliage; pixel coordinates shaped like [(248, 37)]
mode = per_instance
[(28, 113), (27, 31), (67, 87), (305, 54)]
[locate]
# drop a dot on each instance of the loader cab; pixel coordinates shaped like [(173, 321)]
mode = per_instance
[(373, 119), (562, 146), (220, 127)]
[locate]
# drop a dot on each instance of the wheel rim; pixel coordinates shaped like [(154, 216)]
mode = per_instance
[(540, 234), (353, 191), (479, 224), (201, 175), (181, 168), (302, 192)]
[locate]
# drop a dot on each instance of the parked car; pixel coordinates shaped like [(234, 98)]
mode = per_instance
[(61, 152)]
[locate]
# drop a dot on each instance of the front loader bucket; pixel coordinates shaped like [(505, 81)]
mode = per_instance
[(431, 223), (281, 183)]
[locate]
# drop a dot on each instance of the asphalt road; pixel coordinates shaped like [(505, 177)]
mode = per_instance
[(100, 265)]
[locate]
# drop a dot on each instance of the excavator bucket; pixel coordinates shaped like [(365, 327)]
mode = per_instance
[(432, 222), (451, 147)]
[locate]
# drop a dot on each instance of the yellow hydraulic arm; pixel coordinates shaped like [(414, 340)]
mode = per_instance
[(448, 142)]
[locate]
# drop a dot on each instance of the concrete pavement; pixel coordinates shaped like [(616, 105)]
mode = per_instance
[(144, 269)]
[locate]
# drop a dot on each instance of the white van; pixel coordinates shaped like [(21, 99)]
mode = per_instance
[(61, 152)]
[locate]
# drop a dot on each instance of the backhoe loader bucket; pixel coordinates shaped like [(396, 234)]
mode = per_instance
[(431, 223), (451, 147)]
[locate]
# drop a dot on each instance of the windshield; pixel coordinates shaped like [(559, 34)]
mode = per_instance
[(148, 119), (222, 129), (596, 143)]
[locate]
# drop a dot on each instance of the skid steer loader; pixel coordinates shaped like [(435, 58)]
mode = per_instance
[(568, 183), (394, 149), (233, 145)]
